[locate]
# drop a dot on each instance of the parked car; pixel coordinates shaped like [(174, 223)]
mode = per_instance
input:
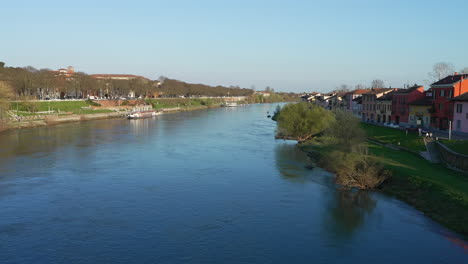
[(392, 125)]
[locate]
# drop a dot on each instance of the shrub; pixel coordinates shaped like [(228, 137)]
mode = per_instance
[(92, 103), (302, 121)]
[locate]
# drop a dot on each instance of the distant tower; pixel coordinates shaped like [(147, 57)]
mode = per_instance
[(70, 69)]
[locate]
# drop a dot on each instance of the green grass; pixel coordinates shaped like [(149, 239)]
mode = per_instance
[(63, 106), (182, 102), (440, 193), (460, 146), (392, 136), (91, 111)]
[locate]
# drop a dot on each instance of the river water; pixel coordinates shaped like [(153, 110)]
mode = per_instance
[(209, 186)]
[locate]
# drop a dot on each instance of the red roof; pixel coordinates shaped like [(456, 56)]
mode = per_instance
[(360, 91), (379, 90)]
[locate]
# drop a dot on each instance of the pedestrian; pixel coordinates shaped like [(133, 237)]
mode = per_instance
[(406, 130), (427, 135), (430, 135)]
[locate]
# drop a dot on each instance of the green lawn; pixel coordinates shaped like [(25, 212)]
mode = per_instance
[(91, 111), (392, 136), (76, 107), (437, 191), (63, 106), (460, 146), (410, 165), (182, 102)]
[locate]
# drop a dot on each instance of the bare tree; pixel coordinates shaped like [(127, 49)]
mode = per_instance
[(441, 70), (377, 83), (359, 87)]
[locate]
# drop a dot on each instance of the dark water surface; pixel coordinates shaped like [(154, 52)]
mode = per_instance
[(197, 187)]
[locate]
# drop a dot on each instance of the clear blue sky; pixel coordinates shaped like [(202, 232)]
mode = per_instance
[(288, 45)]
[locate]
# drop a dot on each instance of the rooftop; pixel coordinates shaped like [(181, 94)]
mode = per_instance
[(358, 91), (386, 97), (461, 98), (408, 90), (451, 79), (378, 90)]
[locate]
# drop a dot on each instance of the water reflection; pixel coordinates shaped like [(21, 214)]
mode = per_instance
[(347, 211), (295, 166)]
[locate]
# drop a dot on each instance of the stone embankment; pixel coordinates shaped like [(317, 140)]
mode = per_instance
[(452, 158), (57, 119)]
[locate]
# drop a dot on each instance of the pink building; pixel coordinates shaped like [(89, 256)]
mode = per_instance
[(460, 113)]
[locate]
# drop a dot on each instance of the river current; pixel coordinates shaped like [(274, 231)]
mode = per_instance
[(208, 186)]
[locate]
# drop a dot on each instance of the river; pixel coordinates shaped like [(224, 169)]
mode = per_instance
[(208, 186)]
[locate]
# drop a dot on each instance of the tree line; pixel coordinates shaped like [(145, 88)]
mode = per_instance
[(31, 83)]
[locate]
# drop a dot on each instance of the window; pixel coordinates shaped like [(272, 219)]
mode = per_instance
[(459, 108), (442, 93), (458, 124), (441, 106), (450, 94)]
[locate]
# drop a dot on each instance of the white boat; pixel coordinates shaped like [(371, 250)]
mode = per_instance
[(143, 114), (232, 104)]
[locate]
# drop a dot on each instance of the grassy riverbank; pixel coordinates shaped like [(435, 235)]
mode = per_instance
[(442, 194), (394, 136), (439, 192), (75, 111), (184, 102), (459, 146)]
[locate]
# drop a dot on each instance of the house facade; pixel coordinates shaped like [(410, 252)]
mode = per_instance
[(443, 91), (384, 108), (356, 106), (369, 110), (338, 101), (349, 99), (420, 111), (401, 101), (460, 113)]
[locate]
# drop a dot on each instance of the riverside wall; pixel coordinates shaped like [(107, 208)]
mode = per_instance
[(452, 158)]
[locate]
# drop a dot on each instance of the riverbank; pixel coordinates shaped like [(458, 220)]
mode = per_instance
[(49, 120), (438, 192)]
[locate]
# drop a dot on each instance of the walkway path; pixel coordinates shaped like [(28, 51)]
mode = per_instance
[(431, 154)]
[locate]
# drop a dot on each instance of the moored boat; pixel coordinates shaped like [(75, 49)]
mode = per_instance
[(230, 104), (143, 114)]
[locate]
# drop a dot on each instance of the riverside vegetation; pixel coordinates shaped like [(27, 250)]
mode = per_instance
[(337, 142)]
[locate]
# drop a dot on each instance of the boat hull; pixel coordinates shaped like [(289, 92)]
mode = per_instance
[(143, 114)]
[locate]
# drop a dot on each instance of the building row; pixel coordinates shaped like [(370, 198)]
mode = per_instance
[(443, 105)]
